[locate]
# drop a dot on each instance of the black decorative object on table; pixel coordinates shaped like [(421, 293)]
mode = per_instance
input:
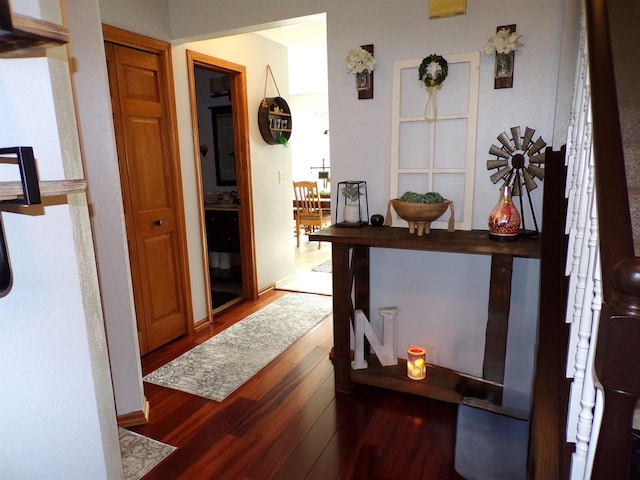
[(377, 220)]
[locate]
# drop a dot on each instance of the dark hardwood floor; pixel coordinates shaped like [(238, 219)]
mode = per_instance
[(287, 422)]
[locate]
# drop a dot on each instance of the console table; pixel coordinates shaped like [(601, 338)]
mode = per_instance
[(350, 264)]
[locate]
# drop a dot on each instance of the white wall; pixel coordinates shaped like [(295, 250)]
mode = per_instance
[(146, 17), (453, 315), (102, 173), (57, 411), (309, 144)]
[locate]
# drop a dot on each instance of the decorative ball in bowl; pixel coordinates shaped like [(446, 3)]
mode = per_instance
[(420, 215)]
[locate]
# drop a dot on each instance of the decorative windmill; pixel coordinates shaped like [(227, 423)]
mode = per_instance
[(519, 162)]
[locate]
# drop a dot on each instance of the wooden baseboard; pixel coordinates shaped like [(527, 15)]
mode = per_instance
[(268, 289), (135, 418), (201, 325)]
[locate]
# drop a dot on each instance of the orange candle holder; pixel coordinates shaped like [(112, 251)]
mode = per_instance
[(416, 363)]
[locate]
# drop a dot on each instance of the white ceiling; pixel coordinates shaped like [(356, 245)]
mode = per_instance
[(303, 32)]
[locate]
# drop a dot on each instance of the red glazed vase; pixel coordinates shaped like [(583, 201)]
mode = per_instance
[(504, 219)]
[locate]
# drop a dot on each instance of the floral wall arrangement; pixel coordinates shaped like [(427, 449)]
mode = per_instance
[(503, 45), (361, 63)]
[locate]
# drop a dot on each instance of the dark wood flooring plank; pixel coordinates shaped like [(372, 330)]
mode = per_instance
[(280, 367), (209, 440), (285, 448), (400, 435), (306, 453), (263, 423), (287, 423), (291, 393), (353, 413)]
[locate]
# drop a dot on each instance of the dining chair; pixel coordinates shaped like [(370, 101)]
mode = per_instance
[(309, 213)]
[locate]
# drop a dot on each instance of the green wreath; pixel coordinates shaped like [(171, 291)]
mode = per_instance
[(425, 76)]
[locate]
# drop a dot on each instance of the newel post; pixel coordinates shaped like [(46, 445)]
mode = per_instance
[(617, 366)]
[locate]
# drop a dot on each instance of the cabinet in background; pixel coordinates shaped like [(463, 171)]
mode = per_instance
[(223, 234)]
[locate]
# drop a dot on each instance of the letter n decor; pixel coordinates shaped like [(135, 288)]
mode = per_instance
[(383, 349)]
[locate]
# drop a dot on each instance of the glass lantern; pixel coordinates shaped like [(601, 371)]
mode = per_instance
[(353, 205)]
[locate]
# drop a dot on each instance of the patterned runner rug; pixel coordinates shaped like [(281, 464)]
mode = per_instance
[(324, 267), (217, 367), (140, 454)]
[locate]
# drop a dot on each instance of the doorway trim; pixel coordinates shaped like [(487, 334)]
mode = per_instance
[(240, 113)]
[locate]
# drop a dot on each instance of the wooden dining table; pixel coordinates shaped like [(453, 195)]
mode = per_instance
[(325, 203)]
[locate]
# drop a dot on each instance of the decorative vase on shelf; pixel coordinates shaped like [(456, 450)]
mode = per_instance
[(504, 219), (363, 80), (504, 65), (352, 213)]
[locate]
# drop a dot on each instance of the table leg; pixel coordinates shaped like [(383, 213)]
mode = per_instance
[(341, 316), (361, 280), (498, 320)]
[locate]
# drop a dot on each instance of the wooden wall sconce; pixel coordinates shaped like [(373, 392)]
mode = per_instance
[(366, 91), (504, 64)]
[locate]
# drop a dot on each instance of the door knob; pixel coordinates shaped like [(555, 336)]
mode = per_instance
[(158, 222)]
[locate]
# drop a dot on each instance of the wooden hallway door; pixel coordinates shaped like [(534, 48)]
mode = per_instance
[(140, 82)]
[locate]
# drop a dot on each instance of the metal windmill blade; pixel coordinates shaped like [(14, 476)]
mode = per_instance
[(519, 163), (511, 158)]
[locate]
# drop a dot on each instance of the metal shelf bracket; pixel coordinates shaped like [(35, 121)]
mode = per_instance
[(23, 157)]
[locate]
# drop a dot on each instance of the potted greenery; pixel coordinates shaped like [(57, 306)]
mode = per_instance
[(420, 209), (352, 193)]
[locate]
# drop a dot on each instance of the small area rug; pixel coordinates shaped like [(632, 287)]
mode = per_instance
[(324, 267), (140, 454), (217, 367)]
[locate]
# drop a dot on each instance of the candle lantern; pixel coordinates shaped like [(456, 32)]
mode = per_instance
[(355, 210), (416, 364)]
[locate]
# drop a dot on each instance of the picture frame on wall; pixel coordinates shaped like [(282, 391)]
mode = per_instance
[(447, 8)]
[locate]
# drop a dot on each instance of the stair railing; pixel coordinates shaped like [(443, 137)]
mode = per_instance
[(604, 275)]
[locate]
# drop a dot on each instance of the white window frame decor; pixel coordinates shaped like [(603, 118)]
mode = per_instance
[(428, 168)]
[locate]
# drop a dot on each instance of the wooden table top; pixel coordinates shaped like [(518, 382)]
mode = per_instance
[(459, 241)]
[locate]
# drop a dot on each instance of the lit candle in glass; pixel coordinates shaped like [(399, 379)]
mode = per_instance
[(416, 364)]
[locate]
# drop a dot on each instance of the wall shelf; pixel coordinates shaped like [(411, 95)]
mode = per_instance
[(28, 191), (273, 111), (21, 35), (48, 188)]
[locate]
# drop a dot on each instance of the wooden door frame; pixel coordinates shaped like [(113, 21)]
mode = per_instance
[(240, 112), (163, 50)]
